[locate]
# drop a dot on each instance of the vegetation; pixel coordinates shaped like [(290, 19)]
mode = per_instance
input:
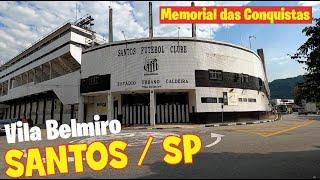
[(309, 55), (284, 88)]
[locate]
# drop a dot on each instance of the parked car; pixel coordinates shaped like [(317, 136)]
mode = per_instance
[(4, 122), (302, 111), (308, 108), (282, 109), (311, 108)]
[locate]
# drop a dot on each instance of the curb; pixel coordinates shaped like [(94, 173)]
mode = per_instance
[(243, 123), (210, 125)]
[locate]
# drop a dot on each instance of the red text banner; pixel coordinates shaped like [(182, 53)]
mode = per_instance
[(236, 14)]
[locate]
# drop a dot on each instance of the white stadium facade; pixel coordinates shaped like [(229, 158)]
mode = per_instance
[(141, 81), (42, 82)]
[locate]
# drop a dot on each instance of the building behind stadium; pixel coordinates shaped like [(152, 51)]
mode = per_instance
[(69, 74)]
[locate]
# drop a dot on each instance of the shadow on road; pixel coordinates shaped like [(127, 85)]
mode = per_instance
[(301, 164)]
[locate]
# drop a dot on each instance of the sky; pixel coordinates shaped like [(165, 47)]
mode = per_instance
[(23, 23)]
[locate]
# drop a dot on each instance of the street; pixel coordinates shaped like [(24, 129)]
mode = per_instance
[(288, 148)]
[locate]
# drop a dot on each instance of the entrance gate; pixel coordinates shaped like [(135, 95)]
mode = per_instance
[(170, 108)]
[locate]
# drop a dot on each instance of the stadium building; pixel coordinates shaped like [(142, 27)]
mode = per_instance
[(140, 81), (42, 82), (172, 80)]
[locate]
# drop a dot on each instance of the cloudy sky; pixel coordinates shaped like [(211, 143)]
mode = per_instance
[(23, 23)]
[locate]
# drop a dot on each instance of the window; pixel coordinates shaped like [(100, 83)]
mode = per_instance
[(215, 75), (260, 84), (220, 100), (208, 100), (240, 99), (236, 77), (252, 100), (93, 80), (244, 99), (244, 78)]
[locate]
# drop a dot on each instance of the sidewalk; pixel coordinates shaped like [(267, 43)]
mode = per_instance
[(189, 125)]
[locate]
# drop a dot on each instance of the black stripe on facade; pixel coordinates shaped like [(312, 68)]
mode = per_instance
[(95, 83), (229, 80)]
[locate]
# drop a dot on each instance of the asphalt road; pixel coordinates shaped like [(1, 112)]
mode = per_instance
[(289, 148)]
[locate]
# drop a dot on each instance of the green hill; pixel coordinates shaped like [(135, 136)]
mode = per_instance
[(283, 88)]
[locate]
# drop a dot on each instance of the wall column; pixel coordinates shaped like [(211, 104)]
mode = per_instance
[(37, 108), (6, 113), (152, 108), (34, 75), (27, 77), (25, 109), (14, 110), (110, 105), (50, 69), (19, 111), (72, 111), (81, 109), (52, 108), (61, 114), (42, 73), (10, 111), (30, 112), (44, 110)]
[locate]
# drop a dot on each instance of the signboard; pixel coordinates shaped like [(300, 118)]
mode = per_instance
[(225, 98), (233, 98), (144, 66), (101, 108)]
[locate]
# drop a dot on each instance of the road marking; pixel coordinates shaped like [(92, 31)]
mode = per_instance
[(219, 138), (133, 139), (145, 150), (290, 129), (271, 130)]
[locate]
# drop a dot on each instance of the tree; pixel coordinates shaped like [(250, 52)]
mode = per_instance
[(298, 95), (309, 55)]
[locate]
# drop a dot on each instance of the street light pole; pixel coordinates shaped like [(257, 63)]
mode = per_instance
[(178, 35), (252, 36), (222, 112), (124, 36)]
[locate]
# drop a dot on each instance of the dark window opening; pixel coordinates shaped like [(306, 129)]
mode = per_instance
[(244, 78), (208, 100), (172, 98), (252, 100), (135, 99), (236, 78), (260, 84), (215, 75)]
